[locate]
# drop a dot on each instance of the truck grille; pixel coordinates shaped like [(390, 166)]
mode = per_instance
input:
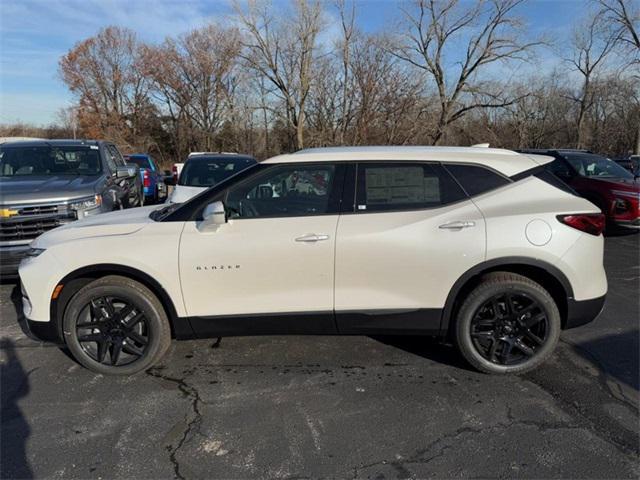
[(28, 222)]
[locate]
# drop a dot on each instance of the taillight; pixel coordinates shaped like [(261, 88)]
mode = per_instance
[(146, 180), (175, 173), (592, 223)]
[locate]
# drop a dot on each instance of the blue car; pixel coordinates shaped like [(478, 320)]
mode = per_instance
[(155, 190)]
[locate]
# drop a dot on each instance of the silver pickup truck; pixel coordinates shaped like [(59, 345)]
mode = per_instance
[(46, 183)]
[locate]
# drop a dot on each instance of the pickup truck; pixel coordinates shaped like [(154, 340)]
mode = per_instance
[(48, 183), (152, 177)]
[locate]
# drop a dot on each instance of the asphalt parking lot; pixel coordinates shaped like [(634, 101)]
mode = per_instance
[(354, 407)]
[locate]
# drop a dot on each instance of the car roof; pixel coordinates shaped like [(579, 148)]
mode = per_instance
[(504, 161), (57, 142), (219, 156)]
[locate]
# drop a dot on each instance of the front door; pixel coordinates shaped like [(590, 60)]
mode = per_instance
[(274, 258)]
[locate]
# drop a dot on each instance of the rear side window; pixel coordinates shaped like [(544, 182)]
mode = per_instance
[(476, 180), (410, 186), (142, 162), (551, 179)]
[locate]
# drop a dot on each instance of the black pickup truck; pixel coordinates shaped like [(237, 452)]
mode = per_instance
[(46, 183)]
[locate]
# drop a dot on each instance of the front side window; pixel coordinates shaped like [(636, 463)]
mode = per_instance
[(589, 165), (285, 191), (409, 186), (475, 179), (117, 158), (49, 161)]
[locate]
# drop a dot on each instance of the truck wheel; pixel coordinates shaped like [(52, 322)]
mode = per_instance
[(507, 324), (116, 326)]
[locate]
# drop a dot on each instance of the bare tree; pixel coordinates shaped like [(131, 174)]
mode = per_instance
[(624, 19), (592, 42), (283, 51), (491, 34)]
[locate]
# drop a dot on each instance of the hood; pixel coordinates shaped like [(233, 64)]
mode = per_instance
[(626, 184), (122, 222), (182, 193), (16, 190)]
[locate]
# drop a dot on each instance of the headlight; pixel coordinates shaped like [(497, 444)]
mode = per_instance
[(83, 206), (34, 252), (86, 203)]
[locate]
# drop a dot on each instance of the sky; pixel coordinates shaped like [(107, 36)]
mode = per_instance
[(34, 34)]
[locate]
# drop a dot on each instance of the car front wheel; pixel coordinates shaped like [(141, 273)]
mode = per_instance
[(507, 324), (116, 326)]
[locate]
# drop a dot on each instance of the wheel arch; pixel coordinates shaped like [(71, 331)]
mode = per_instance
[(75, 280), (547, 275)]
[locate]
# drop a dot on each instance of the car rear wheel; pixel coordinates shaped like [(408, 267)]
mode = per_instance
[(507, 324), (116, 326)]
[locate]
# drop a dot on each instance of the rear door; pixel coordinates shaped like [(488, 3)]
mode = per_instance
[(412, 233)]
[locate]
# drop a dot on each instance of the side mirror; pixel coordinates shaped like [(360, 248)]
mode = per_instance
[(169, 179), (126, 171), (213, 216)]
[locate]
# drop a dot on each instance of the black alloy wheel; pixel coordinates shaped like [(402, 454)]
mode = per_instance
[(509, 328), (507, 323), (112, 331)]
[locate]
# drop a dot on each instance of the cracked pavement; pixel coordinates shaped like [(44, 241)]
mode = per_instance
[(347, 407)]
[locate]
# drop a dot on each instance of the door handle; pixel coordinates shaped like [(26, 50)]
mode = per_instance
[(457, 225), (312, 237)]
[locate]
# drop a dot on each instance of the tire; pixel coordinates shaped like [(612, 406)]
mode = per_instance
[(136, 338), (497, 312)]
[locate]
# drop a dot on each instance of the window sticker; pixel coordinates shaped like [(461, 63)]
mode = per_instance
[(401, 185)]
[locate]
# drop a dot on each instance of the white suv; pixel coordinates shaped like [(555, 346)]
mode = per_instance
[(479, 246)]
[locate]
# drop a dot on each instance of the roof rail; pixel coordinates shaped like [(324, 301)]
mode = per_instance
[(212, 153)]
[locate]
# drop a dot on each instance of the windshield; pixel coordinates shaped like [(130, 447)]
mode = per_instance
[(589, 165), (49, 161), (209, 171), (142, 162)]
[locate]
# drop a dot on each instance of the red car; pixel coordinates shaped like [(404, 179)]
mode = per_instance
[(601, 180)]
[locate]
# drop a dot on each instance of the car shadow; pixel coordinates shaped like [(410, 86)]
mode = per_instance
[(430, 348), (615, 231), (15, 428), (618, 355)]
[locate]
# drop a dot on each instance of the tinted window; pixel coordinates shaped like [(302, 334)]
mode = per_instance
[(476, 180), (208, 171), (142, 162), (589, 165), (559, 168), (409, 186), (49, 160), (117, 158), (551, 179), (284, 191)]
